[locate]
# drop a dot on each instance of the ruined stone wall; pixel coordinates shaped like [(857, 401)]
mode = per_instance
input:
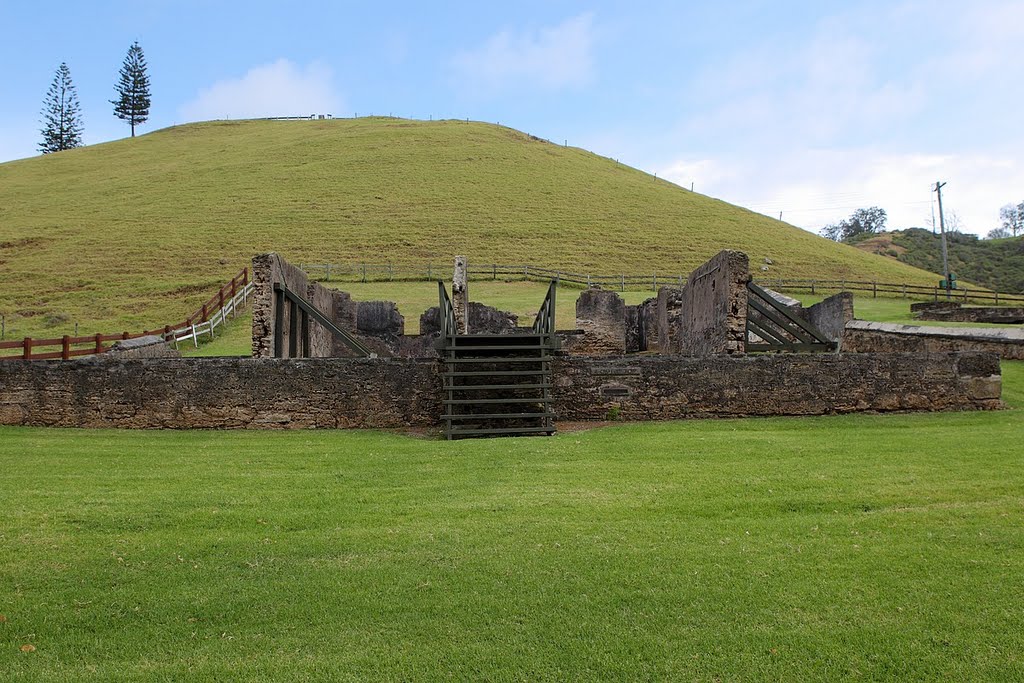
[(870, 337), (269, 393), (268, 268), (667, 388), (601, 316), (950, 311), (713, 318), (222, 393), (670, 308), (150, 346), (831, 315)]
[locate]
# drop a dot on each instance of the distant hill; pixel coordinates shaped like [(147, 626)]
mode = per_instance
[(995, 264), (140, 231)]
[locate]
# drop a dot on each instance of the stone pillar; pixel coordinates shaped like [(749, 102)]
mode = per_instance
[(460, 296)]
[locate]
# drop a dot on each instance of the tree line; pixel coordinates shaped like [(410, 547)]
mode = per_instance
[(62, 113), (863, 223)]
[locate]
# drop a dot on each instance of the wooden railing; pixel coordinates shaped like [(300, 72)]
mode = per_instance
[(225, 301), (545, 322)]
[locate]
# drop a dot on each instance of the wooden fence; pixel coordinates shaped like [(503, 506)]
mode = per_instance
[(365, 272), (225, 302)]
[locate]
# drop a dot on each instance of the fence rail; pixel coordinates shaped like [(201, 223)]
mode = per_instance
[(367, 272), (228, 299)]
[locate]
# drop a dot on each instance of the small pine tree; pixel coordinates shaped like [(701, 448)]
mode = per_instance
[(132, 103), (62, 115)]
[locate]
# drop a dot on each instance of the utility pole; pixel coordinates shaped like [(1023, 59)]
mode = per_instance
[(942, 230)]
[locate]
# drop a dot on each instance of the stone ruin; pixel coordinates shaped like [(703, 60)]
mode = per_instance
[(706, 316)]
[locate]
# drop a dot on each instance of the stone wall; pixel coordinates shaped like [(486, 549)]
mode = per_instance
[(870, 337), (601, 316), (831, 315), (670, 308), (266, 270), (950, 311), (713, 317), (665, 388), (270, 393), (150, 346), (222, 393)]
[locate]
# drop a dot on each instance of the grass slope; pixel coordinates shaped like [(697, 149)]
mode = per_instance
[(876, 547), (139, 232)]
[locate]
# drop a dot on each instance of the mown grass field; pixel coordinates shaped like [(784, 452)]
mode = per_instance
[(874, 547), (137, 233)]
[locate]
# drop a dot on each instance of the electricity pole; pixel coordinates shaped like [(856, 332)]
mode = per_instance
[(942, 230)]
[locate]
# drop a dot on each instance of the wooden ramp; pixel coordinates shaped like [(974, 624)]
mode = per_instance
[(497, 384)]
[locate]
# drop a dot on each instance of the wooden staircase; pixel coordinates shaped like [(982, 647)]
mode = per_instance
[(497, 384)]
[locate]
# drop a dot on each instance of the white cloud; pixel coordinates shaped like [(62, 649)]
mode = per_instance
[(551, 58), (277, 89), (816, 187)]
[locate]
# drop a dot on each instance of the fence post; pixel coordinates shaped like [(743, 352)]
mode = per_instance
[(997, 298), (494, 271), (812, 286), (167, 332), (364, 272), (3, 326), (220, 298), (654, 282), (65, 347), (195, 339), (205, 314), (622, 282), (391, 273), (245, 275), (904, 290), (99, 343), (430, 271), (27, 348), (874, 289), (327, 274)]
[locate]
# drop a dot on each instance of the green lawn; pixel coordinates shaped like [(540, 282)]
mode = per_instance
[(870, 547)]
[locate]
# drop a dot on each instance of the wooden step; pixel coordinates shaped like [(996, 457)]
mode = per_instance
[(502, 430), (497, 416), (493, 387), (498, 359), (496, 373), (474, 401)]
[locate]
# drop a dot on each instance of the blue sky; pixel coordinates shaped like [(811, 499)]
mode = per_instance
[(809, 108)]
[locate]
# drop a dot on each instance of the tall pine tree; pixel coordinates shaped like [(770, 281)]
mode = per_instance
[(62, 115), (132, 103)]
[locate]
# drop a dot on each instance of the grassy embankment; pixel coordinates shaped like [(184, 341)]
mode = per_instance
[(139, 232), (875, 547)]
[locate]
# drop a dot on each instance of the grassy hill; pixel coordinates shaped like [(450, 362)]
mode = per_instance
[(140, 231), (996, 264)]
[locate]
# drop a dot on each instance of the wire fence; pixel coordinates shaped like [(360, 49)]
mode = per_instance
[(368, 272)]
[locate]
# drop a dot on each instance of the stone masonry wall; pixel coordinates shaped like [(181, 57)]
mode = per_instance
[(670, 308), (713, 318), (667, 388), (601, 315), (268, 268), (831, 315), (222, 393), (871, 337), (954, 312), (270, 393)]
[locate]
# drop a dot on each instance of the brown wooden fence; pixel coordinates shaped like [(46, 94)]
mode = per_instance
[(68, 347)]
